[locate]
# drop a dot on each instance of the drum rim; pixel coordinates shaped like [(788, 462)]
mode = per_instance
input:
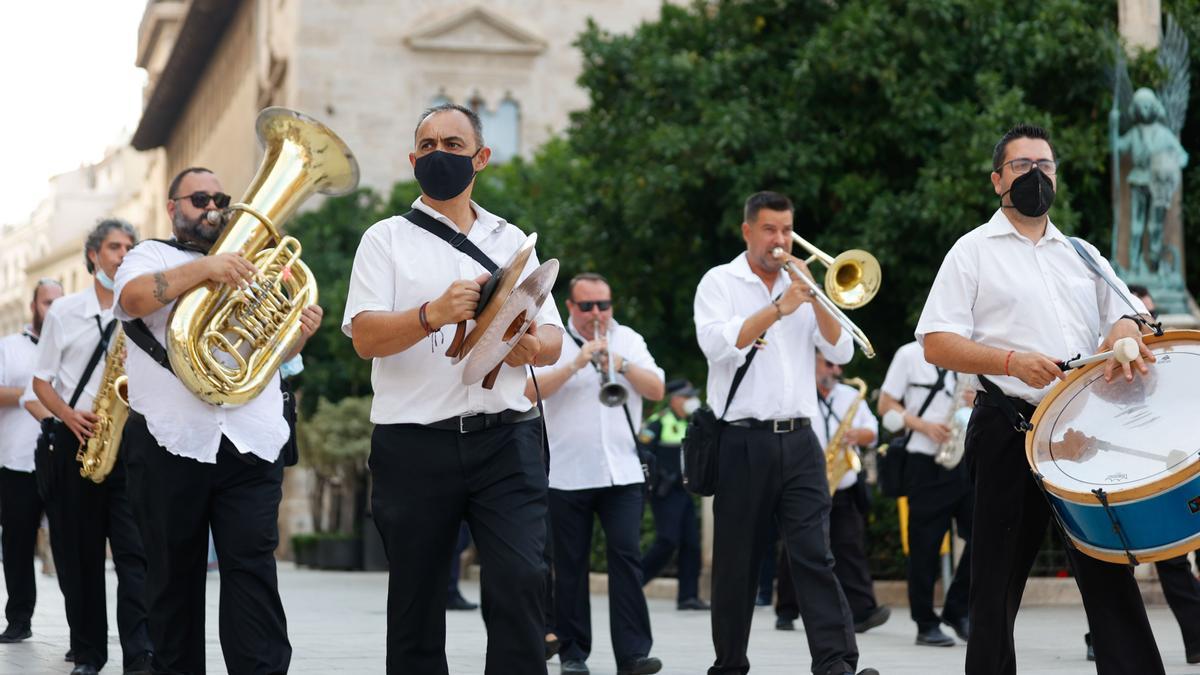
[(1135, 494), (1145, 555)]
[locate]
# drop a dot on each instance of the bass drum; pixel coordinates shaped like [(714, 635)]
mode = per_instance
[(1120, 461)]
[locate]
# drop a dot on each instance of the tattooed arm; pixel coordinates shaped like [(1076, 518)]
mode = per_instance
[(150, 292)]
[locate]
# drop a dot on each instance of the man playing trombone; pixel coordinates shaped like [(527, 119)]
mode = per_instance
[(593, 399), (770, 462)]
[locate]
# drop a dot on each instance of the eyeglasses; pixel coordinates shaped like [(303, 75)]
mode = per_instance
[(200, 199), (587, 305), (1024, 164)]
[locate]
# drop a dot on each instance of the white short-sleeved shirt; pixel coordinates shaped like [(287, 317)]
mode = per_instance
[(399, 266), (70, 333), (779, 382), (833, 410), (999, 289), (18, 429), (591, 445), (909, 379), (182, 423)]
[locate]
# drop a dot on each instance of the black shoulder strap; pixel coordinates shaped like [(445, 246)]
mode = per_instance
[(1015, 418), (458, 240), (139, 334), (181, 245), (933, 390), (741, 373), (101, 348), (1095, 267)]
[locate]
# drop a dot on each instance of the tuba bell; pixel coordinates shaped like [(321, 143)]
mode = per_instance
[(226, 343)]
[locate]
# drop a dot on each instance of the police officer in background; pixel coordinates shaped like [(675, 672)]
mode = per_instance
[(675, 524)]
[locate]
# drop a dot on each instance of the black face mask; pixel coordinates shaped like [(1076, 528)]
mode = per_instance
[(444, 175), (1032, 194)]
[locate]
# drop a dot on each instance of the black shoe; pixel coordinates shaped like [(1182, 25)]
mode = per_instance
[(1192, 657), (693, 603), (643, 665), (1091, 652), (762, 601), (69, 657), (84, 669), (575, 666), (868, 671), (552, 647), (457, 602), (140, 665), (15, 633), (934, 637), (961, 627), (877, 617), (784, 624)]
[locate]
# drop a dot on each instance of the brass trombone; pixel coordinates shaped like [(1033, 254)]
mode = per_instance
[(851, 280)]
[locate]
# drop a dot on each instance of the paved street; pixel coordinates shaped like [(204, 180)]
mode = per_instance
[(336, 623)]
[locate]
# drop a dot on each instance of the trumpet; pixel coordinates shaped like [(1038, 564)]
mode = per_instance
[(612, 393), (851, 281)]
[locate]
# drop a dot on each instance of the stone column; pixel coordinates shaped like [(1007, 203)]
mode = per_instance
[(1139, 22)]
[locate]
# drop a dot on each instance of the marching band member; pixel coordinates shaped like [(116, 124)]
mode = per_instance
[(676, 527), (442, 451), (21, 506), (195, 466), (1011, 297), (595, 472), (936, 495), (84, 514), (770, 462), (848, 513)]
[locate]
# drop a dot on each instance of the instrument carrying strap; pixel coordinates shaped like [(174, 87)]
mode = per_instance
[(933, 391), (1015, 418), (101, 347), (459, 242), (1095, 267)]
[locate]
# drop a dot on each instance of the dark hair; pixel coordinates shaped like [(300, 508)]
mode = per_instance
[(174, 186), (1141, 292), (1020, 131), (772, 201), (44, 281), (583, 276), (476, 123), (100, 232)]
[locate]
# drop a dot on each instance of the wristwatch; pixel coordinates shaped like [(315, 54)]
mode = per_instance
[(624, 367)]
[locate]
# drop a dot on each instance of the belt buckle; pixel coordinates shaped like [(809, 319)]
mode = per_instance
[(778, 427), (462, 420)]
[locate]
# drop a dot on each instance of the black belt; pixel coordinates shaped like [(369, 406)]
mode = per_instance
[(783, 426), (982, 398), (469, 424)]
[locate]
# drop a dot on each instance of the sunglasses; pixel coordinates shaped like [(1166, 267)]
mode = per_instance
[(201, 199), (587, 305)]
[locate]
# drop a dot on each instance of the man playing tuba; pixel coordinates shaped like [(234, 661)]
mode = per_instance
[(194, 465)]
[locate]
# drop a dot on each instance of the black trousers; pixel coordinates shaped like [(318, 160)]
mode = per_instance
[(675, 529), (464, 540), (425, 482), (1010, 518), (20, 515), (931, 508), (179, 499), (1182, 591), (89, 516), (619, 509), (765, 476), (848, 541)]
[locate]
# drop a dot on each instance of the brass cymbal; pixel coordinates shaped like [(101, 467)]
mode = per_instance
[(493, 293), (507, 323)]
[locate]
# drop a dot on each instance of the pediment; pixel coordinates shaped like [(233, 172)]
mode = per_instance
[(479, 30)]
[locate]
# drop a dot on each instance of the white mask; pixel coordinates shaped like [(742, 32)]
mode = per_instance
[(105, 280), (691, 405)]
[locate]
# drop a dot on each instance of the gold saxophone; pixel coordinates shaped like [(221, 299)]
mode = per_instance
[(840, 458), (226, 343), (111, 405)]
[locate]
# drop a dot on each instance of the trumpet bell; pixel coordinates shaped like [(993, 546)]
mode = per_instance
[(613, 394), (853, 279)]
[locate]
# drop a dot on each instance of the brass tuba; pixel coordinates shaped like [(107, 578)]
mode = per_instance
[(226, 343), (840, 458), (99, 453)]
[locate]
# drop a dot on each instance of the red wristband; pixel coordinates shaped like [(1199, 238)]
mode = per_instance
[(1006, 360)]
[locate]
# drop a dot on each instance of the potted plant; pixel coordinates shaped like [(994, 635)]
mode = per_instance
[(335, 443)]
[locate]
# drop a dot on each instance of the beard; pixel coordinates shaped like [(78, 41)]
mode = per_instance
[(38, 319), (197, 230)]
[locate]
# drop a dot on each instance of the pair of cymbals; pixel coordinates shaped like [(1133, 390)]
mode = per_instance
[(506, 311)]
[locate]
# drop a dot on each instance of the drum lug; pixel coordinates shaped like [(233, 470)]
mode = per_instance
[(1102, 497)]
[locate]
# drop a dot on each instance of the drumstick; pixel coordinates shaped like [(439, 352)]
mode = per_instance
[(1124, 350)]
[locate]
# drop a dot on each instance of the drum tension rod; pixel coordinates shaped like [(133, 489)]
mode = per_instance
[(1102, 496)]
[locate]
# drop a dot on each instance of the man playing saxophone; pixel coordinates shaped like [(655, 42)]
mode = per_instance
[(194, 465), (843, 425), (920, 397), (71, 357)]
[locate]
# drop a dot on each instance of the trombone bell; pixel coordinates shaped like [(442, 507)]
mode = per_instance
[(852, 279)]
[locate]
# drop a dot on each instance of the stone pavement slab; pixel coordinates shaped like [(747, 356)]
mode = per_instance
[(337, 620)]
